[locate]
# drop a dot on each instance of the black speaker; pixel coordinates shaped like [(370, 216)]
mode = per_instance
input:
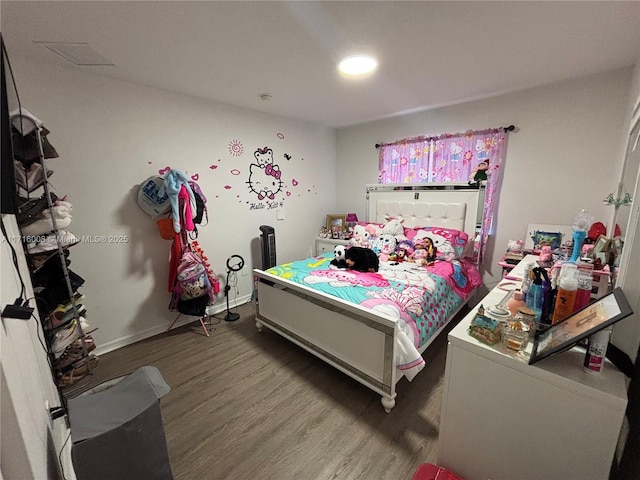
[(268, 239)]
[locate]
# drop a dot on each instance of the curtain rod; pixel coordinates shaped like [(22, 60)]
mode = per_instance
[(510, 128)]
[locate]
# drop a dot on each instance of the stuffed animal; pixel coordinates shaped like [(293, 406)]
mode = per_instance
[(339, 254), (384, 246), (373, 230), (545, 253), (394, 227), (362, 259), (480, 174), (515, 246), (403, 252), (359, 237)]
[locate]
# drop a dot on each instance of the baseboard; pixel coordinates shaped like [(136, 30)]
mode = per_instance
[(184, 320)]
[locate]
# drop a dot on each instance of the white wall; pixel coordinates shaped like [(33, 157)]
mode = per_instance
[(563, 157), (28, 440), (112, 135)]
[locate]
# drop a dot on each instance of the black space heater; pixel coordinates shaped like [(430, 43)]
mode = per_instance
[(268, 240)]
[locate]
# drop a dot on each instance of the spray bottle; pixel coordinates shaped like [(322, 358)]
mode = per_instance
[(535, 295)]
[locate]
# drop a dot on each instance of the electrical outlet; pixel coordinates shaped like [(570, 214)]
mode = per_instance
[(47, 409)]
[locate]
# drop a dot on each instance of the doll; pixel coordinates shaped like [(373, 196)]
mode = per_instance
[(403, 252), (424, 252), (480, 174)]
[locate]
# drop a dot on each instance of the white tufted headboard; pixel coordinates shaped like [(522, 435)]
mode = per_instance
[(450, 205)]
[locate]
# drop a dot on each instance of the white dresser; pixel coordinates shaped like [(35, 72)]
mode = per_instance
[(328, 244), (503, 419)]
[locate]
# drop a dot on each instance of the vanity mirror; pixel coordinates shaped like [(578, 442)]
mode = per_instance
[(626, 334)]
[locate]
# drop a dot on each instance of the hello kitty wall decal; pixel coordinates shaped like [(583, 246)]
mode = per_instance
[(265, 179)]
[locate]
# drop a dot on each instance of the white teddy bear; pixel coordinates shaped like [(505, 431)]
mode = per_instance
[(394, 227)]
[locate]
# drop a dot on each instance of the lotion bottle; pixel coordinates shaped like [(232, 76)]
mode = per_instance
[(567, 290), (515, 302)]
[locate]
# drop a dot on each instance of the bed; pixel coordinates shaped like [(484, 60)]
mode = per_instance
[(374, 327)]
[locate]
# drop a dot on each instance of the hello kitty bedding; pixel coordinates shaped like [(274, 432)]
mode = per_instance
[(421, 298)]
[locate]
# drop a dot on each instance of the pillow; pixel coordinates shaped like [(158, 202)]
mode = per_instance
[(444, 239)]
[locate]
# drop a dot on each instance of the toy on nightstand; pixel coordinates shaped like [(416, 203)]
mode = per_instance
[(545, 254), (515, 252), (485, 329)]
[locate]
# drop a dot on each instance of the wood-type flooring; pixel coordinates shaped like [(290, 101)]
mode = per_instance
[(249, 405)]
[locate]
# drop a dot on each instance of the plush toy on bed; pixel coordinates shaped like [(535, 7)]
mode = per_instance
[(339, 260), (362, 259), (424, 252), (384, 246), (403, 252), (359, 236), (394, 227)]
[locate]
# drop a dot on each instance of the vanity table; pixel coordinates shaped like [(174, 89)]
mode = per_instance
[(503, 419)]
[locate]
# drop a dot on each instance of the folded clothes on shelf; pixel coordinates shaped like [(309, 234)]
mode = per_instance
[(50, 242), (60, 212), (29, 209)]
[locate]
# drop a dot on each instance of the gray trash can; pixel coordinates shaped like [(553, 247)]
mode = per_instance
[(117, 430)]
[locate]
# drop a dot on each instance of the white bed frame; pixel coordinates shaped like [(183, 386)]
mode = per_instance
[(353, 339)]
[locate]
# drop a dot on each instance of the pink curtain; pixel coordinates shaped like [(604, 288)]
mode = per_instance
[(449, 157)]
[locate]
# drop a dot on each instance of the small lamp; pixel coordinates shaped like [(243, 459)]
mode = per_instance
[(351, 220)]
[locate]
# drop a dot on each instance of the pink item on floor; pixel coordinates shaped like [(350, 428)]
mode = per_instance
[(428, 471)]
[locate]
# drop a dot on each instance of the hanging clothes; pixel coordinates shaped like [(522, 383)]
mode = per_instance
[(174, 181)]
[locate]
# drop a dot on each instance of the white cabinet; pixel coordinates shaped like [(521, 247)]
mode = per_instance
[(503, 419), (328, 244)]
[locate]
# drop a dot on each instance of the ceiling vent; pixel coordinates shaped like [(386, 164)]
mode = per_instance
[(77, 53)]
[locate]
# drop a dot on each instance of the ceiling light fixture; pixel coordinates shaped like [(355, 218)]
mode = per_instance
[(357, 65)]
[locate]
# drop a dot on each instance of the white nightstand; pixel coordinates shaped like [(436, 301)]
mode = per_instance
[(328, 244)]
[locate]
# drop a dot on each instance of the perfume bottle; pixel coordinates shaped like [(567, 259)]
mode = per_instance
[(515, 302)]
